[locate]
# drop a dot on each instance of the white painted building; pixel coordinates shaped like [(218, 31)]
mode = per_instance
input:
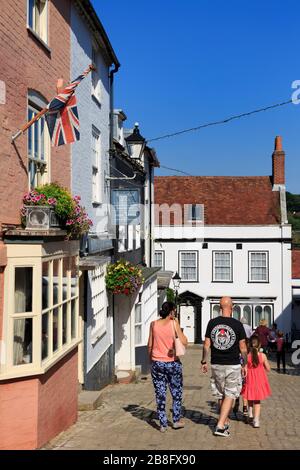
[(236, 242), (132, 168)]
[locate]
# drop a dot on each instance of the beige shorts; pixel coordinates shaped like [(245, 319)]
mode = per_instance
[(226, 381)]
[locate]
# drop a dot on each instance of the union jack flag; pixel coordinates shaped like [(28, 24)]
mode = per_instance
[(62, 115)]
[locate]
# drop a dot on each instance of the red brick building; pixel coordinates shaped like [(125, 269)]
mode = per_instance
[(38, 271)]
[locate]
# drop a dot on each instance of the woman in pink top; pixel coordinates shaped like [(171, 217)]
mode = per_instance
[(166, 368)]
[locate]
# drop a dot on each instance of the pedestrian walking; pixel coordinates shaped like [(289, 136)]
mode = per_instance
[(166, 368), (280, 353), (272, 338), (257, 386), (262, 331), (247, 327), (225, 336)]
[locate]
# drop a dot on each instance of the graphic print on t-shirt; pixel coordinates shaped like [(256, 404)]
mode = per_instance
[(223, 337)]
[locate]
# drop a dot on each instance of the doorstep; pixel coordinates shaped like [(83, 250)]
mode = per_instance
[(89, 400), (126, 376)]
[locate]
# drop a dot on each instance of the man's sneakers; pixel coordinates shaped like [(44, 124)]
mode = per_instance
[(163, 429), (224, 432), (256, 423)]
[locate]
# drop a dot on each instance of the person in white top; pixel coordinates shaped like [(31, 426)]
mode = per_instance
[(247, 328)]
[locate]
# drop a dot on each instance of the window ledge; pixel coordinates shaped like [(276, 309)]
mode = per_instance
[(15, 372), (39, 39)]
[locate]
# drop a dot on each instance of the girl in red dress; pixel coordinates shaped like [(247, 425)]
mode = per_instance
[(257, 386)]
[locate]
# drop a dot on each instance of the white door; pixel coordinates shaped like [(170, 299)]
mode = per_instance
[(187, 322)]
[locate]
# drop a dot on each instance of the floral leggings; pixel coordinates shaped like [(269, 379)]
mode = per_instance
[(163, 374)]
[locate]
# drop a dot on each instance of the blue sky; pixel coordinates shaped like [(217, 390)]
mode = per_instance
[(188, 62)]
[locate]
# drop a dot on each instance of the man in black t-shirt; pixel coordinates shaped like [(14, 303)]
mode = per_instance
[(225, 336)]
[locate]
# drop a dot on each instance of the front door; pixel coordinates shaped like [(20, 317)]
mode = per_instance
[(187, 321)]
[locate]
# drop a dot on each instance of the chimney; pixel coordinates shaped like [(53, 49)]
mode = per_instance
[(278, 161)]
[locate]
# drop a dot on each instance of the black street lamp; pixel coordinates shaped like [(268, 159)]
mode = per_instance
[(135, 143), (176, 283)]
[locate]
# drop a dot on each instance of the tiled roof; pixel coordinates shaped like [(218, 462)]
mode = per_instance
[(296, 264), (228, 200)]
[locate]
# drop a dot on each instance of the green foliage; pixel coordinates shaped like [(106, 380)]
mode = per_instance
[(293, 202), (293, 208), (64, 203), (170, 295)]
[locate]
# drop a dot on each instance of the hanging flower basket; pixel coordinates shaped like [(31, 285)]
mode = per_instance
[(123, 278)]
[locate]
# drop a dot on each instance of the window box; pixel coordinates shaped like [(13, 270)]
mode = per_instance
[(41, 218)]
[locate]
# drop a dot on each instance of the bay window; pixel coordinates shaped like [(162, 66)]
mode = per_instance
[(251, 312), (41, 310)]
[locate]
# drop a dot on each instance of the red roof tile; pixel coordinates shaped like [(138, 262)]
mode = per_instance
[(228, 200), (296, 264)]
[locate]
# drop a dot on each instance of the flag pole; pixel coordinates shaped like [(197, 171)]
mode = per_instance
[(42, 112), (28, 124)]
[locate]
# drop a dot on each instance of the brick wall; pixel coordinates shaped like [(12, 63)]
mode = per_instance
[(27, 64), (58, 398), (34, 410)]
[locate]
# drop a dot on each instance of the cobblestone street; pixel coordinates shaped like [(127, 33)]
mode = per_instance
[(126, 419)]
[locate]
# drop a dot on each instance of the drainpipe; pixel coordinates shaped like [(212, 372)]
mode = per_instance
[(150, 214), (111, 89), (111, 145)]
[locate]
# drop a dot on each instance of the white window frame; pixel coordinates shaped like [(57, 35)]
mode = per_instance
[(216, 252), (162, 265), (39, 26), (34, 259), (99, 304), (195, 212), (97, 196), (138, 324), (38, 159), (250, 279), (196, 279), (96, 82)]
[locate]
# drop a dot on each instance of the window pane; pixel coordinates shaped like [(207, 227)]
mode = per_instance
[(158, 259), (45, 285), (65, 278), (216, 311), (64, 323), (74, 279), (258, 314), (268, 315), (30, 12), (73, 319), (236, 312), (138, 313), (22, 341), (23, 290), (247, 314), (138, 334), (45, 335), (56, 283), (55, 329)]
